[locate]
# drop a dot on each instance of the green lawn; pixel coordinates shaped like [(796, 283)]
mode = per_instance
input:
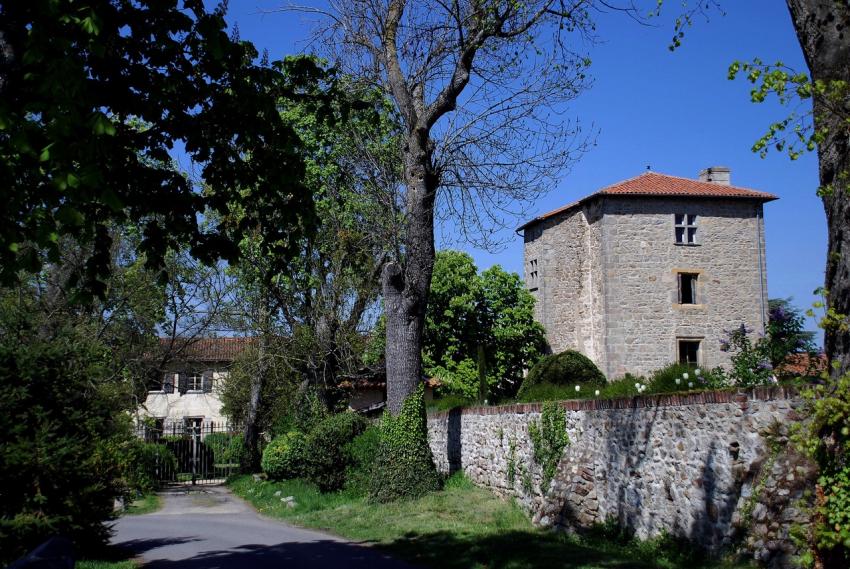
[(145, 505), (460, 527)]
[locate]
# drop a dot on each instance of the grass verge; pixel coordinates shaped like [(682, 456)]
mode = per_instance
[(461, 526), (145, 505)]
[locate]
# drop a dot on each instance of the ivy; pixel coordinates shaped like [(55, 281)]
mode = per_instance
[(549, 439), (512, 461), (405, 466), (825, 438)]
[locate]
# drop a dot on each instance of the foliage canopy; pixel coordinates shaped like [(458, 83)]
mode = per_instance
[(95, 95), (479, 319)]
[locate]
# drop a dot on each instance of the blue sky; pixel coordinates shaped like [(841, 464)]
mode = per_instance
[(674, 111)]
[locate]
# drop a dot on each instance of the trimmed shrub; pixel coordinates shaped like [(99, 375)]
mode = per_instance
[(546, 392), (328, 451), (364, 451), (227, 448), (567, 368), (405, 466), (284, 457), (664, 379), (142, 465)]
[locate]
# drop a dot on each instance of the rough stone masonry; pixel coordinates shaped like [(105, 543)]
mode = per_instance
[(713, 467)]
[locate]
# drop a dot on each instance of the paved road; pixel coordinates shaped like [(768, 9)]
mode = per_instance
[(210, 528)]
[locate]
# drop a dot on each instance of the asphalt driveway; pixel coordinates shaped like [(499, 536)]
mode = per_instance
[(208, 527)]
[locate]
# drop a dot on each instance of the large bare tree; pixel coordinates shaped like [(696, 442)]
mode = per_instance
[(480, 87)]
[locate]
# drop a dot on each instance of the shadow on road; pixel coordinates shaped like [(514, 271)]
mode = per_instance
[(139, 546), (289, 555)]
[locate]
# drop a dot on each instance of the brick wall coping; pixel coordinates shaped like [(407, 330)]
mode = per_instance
[(740, 396)]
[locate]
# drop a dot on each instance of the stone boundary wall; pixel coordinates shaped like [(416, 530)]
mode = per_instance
[(714, 467)]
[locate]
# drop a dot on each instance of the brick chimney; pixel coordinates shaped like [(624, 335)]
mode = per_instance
[(716, 175)]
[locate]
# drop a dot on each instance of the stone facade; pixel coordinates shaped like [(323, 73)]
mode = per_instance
[(605, 274), (712, 467)]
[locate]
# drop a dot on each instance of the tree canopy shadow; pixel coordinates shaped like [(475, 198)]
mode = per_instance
[(505, 550)]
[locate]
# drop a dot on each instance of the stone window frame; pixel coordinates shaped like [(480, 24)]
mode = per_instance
[(700, 351), (533, 275), (681, 279), (699, 292), (687, 224)]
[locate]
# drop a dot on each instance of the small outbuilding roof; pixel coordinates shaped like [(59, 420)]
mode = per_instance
[(653, 184)]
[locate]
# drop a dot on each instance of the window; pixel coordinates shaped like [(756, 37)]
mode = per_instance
[(161, 382), (687, 288), (685, 228), (195, 381), (689, 352), (532, 274)]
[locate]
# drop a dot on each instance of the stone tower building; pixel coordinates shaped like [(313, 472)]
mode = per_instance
[(650, 270)]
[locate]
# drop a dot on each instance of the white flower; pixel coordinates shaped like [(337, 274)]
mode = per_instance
[(697, 372), (596, 393), (685, 375), (690, 384), (678, 381), (637, 386), (578, 388)]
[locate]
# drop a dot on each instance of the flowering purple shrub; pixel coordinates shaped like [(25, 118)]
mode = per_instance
[(753, 362)]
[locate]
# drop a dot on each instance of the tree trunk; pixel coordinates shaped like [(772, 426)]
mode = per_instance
[(823, 30), (250, 460), (405, 284)]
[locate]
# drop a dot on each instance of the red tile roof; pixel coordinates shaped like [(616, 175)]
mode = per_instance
[(804, 364), (653, 184), (205, 349)]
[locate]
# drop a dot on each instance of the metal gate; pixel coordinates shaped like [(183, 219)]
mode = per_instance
[(192, 451)]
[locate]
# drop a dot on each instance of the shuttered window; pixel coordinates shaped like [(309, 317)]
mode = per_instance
[(687, 288)]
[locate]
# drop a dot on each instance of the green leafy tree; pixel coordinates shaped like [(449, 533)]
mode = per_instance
[(479, 325), (63, 411), (76, 81), (326, 301)]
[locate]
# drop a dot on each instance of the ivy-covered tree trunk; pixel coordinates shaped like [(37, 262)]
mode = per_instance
[(823, 29), (406, 283)]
